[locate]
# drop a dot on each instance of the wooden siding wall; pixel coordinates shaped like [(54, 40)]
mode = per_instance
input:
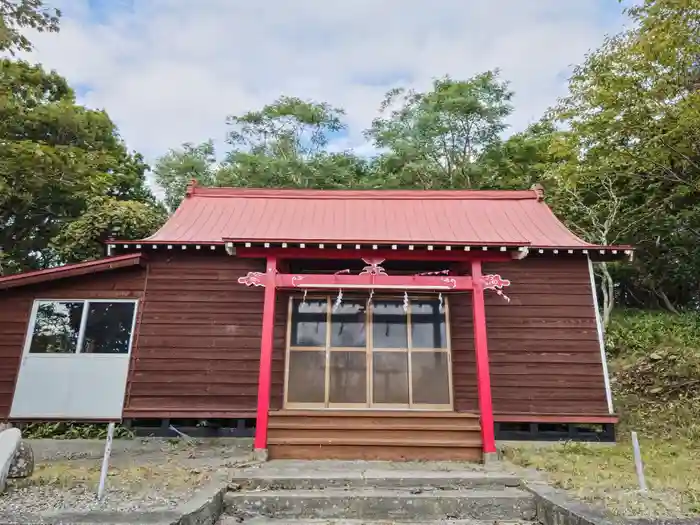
[(543, 345), (198, 351), (16, 306)]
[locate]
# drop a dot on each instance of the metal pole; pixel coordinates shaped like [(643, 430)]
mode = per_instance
[(105, 461), (638, 463)]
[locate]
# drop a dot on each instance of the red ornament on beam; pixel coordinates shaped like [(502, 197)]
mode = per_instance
[(497, 283), (373, 267), (252, 279)]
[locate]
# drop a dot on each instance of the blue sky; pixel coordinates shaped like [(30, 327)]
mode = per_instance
[(169, 71)]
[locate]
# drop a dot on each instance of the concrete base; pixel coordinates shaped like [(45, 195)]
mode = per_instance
[(9, 442), (491, 459), (321, 492), (260, 454), (421, 504)]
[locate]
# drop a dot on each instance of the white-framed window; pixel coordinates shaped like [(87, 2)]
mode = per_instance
[(81, 326), (78, 350)]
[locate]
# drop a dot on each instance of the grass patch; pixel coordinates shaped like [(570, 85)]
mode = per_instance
[(133, 478), (606, 474)]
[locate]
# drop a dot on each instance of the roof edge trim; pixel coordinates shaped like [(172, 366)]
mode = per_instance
[(275, 193), (70, 270)]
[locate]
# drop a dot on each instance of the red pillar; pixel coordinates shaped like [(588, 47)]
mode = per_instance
[(265, 379), (482, 361)]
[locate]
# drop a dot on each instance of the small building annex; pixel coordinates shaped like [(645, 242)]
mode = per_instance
[(342, 324)]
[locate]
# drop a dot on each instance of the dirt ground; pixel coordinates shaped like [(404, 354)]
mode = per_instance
[(143, 474)]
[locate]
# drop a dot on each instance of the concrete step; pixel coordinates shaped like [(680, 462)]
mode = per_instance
[(232, 520), (382, 504), (380, 479)]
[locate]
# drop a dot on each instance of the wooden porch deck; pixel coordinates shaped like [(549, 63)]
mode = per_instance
[(374, 435)]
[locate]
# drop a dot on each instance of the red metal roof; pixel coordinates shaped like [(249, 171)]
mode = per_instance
[(70, 270), (449, 217)]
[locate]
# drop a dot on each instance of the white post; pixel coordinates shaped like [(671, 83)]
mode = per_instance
[(638, 463), (601, 339), (105, 461)]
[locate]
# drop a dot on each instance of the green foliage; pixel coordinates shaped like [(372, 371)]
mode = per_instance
[(632, 115), (19, 15), (656, 373), (435, 140), (61, 163), (280, 146), (635, 333), (84, 237), (444, 138), (72, 430), (289, 128), (175, 169)]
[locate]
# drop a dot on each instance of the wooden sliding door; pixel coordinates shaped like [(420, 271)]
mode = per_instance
[(368, 354)]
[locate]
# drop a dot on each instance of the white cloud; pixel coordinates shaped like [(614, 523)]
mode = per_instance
[(169, 71)]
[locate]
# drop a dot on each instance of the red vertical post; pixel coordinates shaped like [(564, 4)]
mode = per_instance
[(267, 340), (482, 361)]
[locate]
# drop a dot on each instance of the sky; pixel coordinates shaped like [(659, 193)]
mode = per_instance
[(170, 71)]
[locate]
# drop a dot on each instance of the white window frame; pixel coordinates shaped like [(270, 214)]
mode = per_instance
[(81, 333)]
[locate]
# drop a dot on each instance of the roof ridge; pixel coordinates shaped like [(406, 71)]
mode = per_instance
[(285, 193)]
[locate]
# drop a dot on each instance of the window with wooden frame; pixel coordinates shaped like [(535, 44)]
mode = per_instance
[(365, 354)]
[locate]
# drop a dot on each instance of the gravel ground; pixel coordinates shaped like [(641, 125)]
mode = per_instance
[(144, 475)]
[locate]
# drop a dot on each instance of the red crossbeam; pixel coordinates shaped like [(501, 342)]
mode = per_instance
[(377, 282)]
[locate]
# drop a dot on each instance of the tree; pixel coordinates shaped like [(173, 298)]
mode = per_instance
[(175, 169), (526, 158), (283, 145), (56, 158), (436, 139), (633, 112), (17, 15), (84, 237)]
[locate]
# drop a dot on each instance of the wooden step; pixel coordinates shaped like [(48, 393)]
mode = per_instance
[(375, 413), (335, 424), (381, 442), (388, 435), (370, 433), (398, 420), (375, 452)]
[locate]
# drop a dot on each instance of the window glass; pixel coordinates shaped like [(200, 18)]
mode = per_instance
[(390, 378), (307, 376), (389, 325), (427, 325), (309, 322), (348, 377), (57, 327), (348, 325), (341, 358), (430, 376), (108, 328)]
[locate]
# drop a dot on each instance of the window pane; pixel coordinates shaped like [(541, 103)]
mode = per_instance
[(56, 327), (348, 377), (348, 325), (309, 322), (307, 377), (427, 325), (108, 328), (390, 377), (430, 376), (389, 325)]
